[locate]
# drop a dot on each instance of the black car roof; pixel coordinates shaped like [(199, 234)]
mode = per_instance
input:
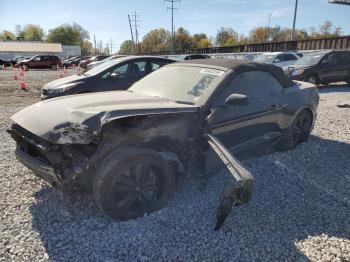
[(239, 66)]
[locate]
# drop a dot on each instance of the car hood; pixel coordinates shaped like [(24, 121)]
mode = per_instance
[(79, 118), (66, 80)]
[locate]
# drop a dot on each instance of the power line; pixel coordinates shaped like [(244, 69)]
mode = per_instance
[(172, 8)]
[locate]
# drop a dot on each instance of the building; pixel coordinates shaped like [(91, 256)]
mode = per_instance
[(11, 49)]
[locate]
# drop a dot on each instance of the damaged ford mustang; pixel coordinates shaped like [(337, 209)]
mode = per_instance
[(129, 147)]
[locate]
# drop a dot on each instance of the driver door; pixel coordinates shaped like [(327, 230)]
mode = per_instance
[(254, 122)]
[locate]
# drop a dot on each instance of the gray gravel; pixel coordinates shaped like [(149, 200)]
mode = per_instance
[(300, 210)]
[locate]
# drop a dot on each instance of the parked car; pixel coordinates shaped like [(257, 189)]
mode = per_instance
[(85, 63), (96, 63), (130, 147), (4, 62), (277, 58), (321, 67), (15, 60), (196, 56), (117, 74), (77, 60), (67, 62), (40, 62)]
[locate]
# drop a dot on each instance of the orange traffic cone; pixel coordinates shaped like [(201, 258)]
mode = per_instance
[(15, 77), (65, 70), (21, 72), (23, 86)]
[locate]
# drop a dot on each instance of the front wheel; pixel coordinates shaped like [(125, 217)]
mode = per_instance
[(313, 79), (133, 181), (298, 132)]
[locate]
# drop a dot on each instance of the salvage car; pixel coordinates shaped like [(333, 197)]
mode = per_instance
[(130, 147), (117, 74), (322, 67)]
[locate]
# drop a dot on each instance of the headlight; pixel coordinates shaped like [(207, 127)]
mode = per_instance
[(298, 72), (61, 89)]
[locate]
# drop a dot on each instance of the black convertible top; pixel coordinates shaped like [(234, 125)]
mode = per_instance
[(241, 66)]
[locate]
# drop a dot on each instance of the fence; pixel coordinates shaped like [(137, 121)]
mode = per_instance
[(310, 44)]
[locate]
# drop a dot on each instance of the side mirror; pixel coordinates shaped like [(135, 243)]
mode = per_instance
[(114, 76), (277, 60), (236, 100)]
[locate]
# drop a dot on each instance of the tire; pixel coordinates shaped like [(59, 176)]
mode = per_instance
[(53, 67), (298, 132), (313, 79), (132, 181), (25, 67)]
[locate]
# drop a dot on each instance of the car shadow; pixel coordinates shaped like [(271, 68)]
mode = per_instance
[(334, 88), (291, 204)]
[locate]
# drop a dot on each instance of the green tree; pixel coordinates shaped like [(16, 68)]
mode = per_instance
[(126, 48), (7, 35), (86, 48), (156, 40), (31, 33), (204, 43), (231, 41), (183, 39), (224, 34), (201, 40), (65, 34)]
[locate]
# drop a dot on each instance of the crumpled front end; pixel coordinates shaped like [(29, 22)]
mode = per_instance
[(58, 165)]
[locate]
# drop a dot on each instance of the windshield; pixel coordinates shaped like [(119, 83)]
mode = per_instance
[(264, 58), (182, 84), (102, 67), (310, 59)]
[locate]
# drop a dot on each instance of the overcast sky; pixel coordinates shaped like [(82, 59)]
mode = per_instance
[(107, 19)]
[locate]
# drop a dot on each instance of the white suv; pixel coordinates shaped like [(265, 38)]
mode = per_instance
[(277, 58)]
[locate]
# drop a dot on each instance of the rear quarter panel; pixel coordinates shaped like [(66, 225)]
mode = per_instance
[(301, 96)]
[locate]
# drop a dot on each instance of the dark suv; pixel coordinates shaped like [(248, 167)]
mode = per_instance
[(322, 67), (40, 62)]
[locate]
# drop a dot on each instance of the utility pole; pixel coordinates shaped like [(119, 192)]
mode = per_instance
[(132, 35), (135, 20), (101, 46), (95, 44), (172, 8), (111, 46), (295, 17)]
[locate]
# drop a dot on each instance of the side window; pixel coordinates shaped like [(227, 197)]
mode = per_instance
[(279, 58), (157, 64), (343, 57), (332, 59), (289, 57), (139, 67), (46, 58), (253, 84), (38, 58), (122, 71)]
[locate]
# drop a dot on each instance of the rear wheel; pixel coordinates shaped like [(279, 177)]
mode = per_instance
[(133, 181), (25, 67), (53, 67), (298, 132)]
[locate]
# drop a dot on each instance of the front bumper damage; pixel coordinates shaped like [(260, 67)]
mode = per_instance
[(237, 193)]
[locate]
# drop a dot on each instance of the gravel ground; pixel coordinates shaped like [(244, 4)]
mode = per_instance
[(300, 209)]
